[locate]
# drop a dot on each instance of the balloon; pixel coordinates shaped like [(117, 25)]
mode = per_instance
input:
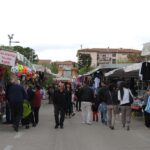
[(14, 69), (20, 68), (18, 74)]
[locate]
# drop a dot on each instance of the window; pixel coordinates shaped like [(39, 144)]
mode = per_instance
[(67, 73), (104, 57), (114, 61), (114, 55)]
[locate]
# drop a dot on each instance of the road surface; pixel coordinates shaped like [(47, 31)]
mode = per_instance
[(74, 136)]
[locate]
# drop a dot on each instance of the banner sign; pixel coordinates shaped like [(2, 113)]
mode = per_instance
[(7, 58)]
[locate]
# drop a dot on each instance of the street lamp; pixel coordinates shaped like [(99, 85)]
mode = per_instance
[(10, 37)]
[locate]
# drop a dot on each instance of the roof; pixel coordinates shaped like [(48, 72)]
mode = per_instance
[(127, 71), (64, 62), (106, 66), (44, 61), (109, 50)]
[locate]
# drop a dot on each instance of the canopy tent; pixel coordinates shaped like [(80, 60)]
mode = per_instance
[(133, 67), (128, 71), (106, 67), (43, 69)]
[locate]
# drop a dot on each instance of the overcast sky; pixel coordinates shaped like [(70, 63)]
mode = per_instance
[(55, 29)]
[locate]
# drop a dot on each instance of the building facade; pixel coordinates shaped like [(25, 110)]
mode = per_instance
[(66, 69), (44, 61), (108, 55)]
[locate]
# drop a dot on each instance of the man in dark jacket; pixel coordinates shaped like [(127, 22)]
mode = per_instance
[(60, 102), (16, 95), (112, 105), (103, 102), (87, 98)]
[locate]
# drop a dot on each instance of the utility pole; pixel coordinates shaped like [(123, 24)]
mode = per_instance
[(10, 37)]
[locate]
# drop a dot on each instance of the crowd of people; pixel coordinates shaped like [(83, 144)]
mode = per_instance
[(21, 104), (101, 104)]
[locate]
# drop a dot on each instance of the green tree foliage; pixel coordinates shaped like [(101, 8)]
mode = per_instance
[(84, 70), (135, 58), (54, 68), (28, 52), (48, 80), (84, 61)]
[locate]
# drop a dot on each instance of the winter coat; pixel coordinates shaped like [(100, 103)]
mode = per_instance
[(37, 99)]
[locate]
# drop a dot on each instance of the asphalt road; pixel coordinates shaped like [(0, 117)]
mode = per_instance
[(74, 136)]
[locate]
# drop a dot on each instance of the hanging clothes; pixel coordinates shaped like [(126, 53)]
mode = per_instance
[(145, 71), (96, 82)]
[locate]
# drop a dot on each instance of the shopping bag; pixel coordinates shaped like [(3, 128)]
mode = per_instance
[(147, 108)]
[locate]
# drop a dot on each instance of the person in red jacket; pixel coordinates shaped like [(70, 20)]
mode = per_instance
[(36, 105)]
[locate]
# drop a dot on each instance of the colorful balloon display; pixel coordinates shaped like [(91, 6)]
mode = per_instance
[(21, 70)]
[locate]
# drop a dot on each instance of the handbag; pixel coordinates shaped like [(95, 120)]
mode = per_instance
[(147, 108)]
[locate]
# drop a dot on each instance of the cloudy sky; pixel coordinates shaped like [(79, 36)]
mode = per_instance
[(56, 29)]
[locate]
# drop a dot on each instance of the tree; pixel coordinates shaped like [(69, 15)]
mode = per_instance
[(54, 68), (28, 52), (48, 80), (84, 60), (85, 70), (135, 58)]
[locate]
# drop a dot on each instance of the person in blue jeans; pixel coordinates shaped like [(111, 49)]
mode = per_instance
[(103, 112), (103, 102)]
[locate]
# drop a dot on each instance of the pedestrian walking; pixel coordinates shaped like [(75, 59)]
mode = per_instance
[(16, 96), (69, 110), (78, 97), (36, 104), (124, 95), (103, 102), (112, 105), (50, 92), (60, 104), (95, 109), (87, 98)]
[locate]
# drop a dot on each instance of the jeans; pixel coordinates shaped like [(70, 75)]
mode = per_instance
[(86, 112), (103, 111)]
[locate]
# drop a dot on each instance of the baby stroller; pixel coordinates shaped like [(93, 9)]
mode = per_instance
[(27, 114)]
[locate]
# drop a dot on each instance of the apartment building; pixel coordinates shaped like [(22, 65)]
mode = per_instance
[(44, 61), (108, 55), (67, 69)]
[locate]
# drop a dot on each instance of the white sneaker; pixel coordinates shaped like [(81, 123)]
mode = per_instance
[(89, 123)]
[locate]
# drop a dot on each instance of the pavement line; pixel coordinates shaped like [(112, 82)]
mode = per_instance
[(8, 147), (18, 135)]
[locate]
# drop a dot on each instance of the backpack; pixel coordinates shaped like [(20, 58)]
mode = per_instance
[(26, 109)]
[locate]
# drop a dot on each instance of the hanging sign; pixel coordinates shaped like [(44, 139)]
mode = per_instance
[(7, 58)]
